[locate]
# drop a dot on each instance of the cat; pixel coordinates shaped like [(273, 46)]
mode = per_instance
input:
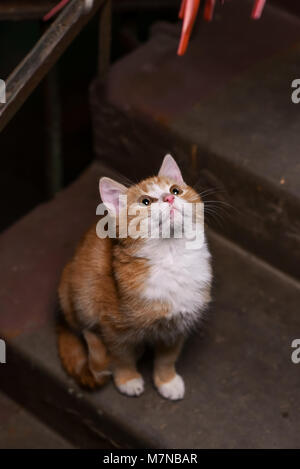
[(117, 294)]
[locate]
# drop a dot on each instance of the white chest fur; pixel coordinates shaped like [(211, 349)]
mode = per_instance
[(178, 275)]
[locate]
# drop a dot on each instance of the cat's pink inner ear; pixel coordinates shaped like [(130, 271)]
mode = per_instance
[(170, 169), (110, 192)]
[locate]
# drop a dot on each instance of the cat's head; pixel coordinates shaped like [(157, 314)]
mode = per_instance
[(154, 203)]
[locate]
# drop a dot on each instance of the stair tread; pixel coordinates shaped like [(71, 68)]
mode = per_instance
[(242, 388), (21, 430)]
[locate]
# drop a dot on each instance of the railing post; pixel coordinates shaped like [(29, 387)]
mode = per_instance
[(104, 38), (53, 133)]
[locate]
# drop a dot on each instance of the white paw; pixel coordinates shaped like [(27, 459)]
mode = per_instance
[(174, 389), (133, 387)]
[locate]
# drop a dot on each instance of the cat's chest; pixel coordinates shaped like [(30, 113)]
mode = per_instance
[(178, 276)]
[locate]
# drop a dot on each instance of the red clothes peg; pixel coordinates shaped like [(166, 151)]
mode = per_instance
[(257, 9), (88, 6), (182, 8), (188, 11), (55, 9), (209, 9)]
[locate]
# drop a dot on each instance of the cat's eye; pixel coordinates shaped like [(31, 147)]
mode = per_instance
[(175, 190), (145, 200)]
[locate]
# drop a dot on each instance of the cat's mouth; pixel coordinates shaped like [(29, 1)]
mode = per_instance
[(171, 218), (174, 209)]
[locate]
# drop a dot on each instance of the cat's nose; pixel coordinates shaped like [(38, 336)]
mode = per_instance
[(169, 198)]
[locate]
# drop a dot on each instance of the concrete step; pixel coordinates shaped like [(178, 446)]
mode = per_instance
[(242, 387), (21, 430), (225, 111)]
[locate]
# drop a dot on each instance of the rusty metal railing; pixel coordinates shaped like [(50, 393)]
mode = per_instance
[(38, 64), (35, 66)]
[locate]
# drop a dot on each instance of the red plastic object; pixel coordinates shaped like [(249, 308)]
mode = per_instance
[(257, 9), (209, 9), (188, 12), (182, 8), (55, 9)]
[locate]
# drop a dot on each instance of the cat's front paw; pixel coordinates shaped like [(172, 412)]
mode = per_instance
[(173, 390), (133, 387)]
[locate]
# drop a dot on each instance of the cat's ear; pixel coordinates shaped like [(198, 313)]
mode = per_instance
[(170, 169), (110, 191)]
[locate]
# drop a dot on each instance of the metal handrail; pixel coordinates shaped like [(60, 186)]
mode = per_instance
[(37, 63)]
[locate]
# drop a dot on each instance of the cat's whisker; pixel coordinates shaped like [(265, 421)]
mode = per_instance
[(221, 202), (221, 209), (211, 190), (220, 213), (214, 215)]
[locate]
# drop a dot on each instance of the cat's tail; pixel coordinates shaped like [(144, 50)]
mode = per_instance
[(83, 358)]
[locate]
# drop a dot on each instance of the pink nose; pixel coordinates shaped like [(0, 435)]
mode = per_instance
[(169, 198)]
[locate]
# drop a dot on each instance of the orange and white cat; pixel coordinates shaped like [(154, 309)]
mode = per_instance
[(119, 294)]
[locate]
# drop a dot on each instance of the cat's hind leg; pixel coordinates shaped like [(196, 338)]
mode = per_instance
[(88, 363), (73, 354), (98, 358)]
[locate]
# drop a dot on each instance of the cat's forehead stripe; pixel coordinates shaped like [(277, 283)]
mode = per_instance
[(156, 190)]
